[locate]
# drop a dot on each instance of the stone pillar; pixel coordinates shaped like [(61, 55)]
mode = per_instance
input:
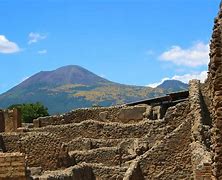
[(17, 118), (9, 121), (12, 120), (2, 122), (215, 89)]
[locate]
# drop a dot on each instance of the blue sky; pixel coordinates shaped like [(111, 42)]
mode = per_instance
[(138, 42)]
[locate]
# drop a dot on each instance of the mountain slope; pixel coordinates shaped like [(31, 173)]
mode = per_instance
[(173, 85), (71, 87), (65, 75)]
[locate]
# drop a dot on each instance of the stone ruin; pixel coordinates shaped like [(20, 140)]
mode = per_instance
[(178, 136), (10, 120)]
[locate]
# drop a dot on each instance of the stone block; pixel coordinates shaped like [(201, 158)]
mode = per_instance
[(36, 123), (131, 113), (103, 115)]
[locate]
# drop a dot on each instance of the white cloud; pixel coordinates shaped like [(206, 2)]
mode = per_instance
[(35, 37), (197, 55), (187, 77), (153, 85), (7, 46), (184, 78), (44, 51)]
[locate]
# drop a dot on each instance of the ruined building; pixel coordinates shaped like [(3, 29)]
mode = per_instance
[(178, 136)]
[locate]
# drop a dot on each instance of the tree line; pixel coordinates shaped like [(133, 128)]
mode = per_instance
[(30, 111)]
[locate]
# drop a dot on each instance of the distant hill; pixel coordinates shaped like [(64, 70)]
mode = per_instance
[(173, 85), (71, 87)]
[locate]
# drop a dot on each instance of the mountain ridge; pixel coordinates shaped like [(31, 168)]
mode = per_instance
[(70, 87), (173, 85)]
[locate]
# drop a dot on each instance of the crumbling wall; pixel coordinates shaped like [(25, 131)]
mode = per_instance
[(215, 90), (102, 130), (121, 114), (78, 172), (107, 156), (170, 158), (81, 143), (42, 149), (201, 157), (10, 120), (182, 153), (79, 115), (134, 172), (12, 166)]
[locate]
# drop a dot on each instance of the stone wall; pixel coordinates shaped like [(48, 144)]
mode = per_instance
[(78, 172), (10, 120), (12, 166), (2, 121), (106, 155), (102, 130), (183, 152), (82, 144), (169, 158), (199, 151), (215, 89), (203, 172), (47, 146), (134, 172), (42, 149), (79, 115), (121, 114)]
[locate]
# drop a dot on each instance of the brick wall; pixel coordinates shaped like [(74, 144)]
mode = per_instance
[(12, 166), (203, 172)]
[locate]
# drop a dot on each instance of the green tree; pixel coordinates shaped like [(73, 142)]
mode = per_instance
[(31, 111)]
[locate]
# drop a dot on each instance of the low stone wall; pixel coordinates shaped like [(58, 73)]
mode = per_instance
[(101, 130), (102, 172), (79, 115), (107, 156), (78, 172), (121, 114), (84, 171), (81, 144), (12, 166), (42, 149), (134, 172)]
